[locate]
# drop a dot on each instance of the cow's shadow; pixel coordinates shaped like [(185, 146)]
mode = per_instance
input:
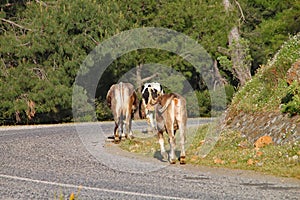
[(159, 157)]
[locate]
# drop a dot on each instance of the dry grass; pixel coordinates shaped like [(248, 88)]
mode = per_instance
[(230, 151)]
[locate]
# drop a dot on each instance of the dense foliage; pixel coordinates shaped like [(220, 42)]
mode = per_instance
[(269, 89), (43, 44)]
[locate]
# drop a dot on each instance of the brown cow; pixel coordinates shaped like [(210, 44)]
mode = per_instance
[(122, 100), (171, 115)]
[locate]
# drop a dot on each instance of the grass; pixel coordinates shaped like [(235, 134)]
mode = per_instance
[(230, 151), (72, 196), (146, 146), (268, 87), (235, 152)]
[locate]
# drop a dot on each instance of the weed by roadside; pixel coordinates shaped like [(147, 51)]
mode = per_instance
[(231, 151), (72, 196), (236, 152), (145, 146)]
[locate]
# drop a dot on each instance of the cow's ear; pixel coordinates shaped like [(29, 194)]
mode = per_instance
[(154, 93)]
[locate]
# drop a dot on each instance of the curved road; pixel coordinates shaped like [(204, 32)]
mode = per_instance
[(45, 162)]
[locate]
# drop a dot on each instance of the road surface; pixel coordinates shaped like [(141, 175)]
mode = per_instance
[(46, 162)]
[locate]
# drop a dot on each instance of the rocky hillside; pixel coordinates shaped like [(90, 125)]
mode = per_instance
[(269, 104)]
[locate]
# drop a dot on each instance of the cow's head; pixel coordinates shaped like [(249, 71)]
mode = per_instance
[(150, 94), (154, 95)]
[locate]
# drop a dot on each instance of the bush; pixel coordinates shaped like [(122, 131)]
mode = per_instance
[(102, 111), (291, 102), (268, 87)]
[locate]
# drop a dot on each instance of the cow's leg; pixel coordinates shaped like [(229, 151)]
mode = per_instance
[(127, 122), (124, 128), (119, 125), (172, 142), (171, 132), (182, 129), (162, 145), (116, 133), (124, 133), (152, 122), (148, 119), (130, 136), (172, 149)]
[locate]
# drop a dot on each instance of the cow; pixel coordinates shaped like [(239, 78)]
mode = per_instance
[(150, 91), (171, 115), (122, 100)]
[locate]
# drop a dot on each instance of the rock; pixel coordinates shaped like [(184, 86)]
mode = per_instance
[(263, 141), (275, 124), (218, 161), (233, 161), (250, 162)]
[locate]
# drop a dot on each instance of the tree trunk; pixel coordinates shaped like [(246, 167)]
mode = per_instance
[(241, 69), (238, 51), (218, 79), (139, 80)]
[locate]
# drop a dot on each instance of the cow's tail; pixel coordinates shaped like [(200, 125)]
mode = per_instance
[(121, 93), (163, 109)]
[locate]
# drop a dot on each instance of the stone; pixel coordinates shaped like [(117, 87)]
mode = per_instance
[(263, 141)]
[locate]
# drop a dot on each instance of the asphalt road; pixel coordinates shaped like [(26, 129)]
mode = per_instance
[(46, 162)]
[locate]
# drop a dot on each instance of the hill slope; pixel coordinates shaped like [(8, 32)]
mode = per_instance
[(269, 104)]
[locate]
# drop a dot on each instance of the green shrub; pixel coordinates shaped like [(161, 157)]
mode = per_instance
[(102, 111), (291, 102), (268, 87)]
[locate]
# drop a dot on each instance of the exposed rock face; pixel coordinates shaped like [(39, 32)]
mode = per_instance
[(280, 127), (293, 74)]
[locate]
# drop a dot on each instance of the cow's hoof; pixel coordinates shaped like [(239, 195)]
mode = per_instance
[(182, 160), (164, 155), (117, 140), (173, 161), (123, 138)]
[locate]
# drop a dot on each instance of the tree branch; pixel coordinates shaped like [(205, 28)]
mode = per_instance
[(241, 10), (149, 78), (15, 24), (224, 51), (41, 2), (95, 41)]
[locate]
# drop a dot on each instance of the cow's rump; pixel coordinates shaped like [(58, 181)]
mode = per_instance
[(171, 115), (122, 100)]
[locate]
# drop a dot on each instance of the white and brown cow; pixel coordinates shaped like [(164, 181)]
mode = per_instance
[(150, 91), (171, 115), (123, 102)]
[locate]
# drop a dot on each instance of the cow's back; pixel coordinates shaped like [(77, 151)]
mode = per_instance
[(126, 95), (122, 100), (121, 97), (171, 107)]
